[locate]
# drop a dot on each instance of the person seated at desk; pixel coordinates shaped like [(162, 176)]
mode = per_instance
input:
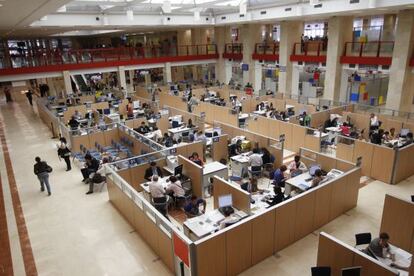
[(174, 187), (190, 123), (158, 195), (305, 119), (196, 159), (77, 115), (167, 140), (152, 170), (267, 157), (91, 166), (296, 166), (192, 208), (157, 134), (379, 246), (143, 128), (199, 136), (235, 149), (279, 176), (290, 112), (386, 137), (255, 159), (345, 129), (376, 136), (229, 219), (408, 140), (392, 134), (317, 178), (277, 198), (73, 123)]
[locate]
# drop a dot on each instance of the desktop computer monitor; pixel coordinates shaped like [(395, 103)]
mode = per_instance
[(313, 169), (178, 170), (99, 111), (351, 271), (225, 201), (106, 111), (209, 134), (404, 132), (136, 104)]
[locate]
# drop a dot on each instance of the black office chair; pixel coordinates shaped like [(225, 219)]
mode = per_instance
[(412, 198), (362, 238), (321, 271)]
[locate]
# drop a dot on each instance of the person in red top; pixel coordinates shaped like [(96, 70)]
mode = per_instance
[(345, 129)]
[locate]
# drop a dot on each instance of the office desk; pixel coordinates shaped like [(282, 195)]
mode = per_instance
[(288, 106), (145, 187), (176, 132), (240, 164), (402, 258), (333, 133), (259, 206), (201, 226), (210, 170), (399, 142), (298, 182), (260, 112)]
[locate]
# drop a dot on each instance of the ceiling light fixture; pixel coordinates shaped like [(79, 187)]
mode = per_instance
[(166, 6), (197, 15), (130, 15), (243, 7)]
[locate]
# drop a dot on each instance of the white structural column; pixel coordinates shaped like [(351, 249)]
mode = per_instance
[(339, 31), (295, 78), (250, 35), (131, 80), (290, 32), (400, 87), (67, 82), (167, 72), (223, 66), (121, 77)]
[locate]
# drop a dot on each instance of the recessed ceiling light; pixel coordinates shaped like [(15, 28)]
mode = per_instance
[(1, 5)]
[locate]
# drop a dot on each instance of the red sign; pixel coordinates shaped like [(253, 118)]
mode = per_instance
[(181, 250)]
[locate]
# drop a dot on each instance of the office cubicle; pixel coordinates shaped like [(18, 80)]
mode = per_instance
[(338, 255)]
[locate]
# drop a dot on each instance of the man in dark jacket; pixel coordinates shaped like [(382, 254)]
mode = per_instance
[(42, 170), (152, 170), (91, 166)]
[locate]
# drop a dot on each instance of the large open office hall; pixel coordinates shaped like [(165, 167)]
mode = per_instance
[(205, 137)]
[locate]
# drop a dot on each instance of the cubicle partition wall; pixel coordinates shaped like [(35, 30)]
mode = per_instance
[(378, 162), (319, 118), (51, 121), (196, 119), (296, 136), (240, 198), (338, 255), (212, 112), (170, 100), (169, 243), (274, 145), (246, 243), (398, 222), (219, 148)]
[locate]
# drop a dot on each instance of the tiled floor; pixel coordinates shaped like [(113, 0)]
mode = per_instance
[(75, 234)]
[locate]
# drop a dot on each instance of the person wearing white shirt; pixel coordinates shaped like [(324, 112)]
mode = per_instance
[(174, 187), (297, 165), (155, 188), (255, 159), (374, 121)]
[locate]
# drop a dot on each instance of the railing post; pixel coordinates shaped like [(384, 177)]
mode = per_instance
[(360, 49), (206, 49), (379, 48), (196, 49), (319, 48), (187, 50), (274, 49)]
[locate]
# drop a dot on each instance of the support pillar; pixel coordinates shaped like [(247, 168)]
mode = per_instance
[(121, 78), (68, 83), (131, 80), (257, 74), (290, 32), (339, 31), (250, 36), (295, 78), (167, 73), (222, 73), (400, 87)]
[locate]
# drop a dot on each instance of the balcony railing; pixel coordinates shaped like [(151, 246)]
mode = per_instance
[(266, 48), (370, 53), (310, 48), (42, 57), (233, 51)]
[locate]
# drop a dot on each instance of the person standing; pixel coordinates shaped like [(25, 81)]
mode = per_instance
[(29, 95), (42, 170), (64, 152), (8, 94)]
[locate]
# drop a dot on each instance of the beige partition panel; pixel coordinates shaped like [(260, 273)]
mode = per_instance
[(77, 141), (212, 256), (366, 151), (344, 151), (398, 222), (287, 130), (298, 137), (219, 148), (360, 121), (318, 119), (313, 142), (239, 248), (263, 228), (112, 134), (241, 198), (338, 255), (404, 166), (194, 172), (382, 163), (96, 137)]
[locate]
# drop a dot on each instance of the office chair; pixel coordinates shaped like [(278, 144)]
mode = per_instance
[(412, 198), (255, 171), (362, 238), (321, 271)]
